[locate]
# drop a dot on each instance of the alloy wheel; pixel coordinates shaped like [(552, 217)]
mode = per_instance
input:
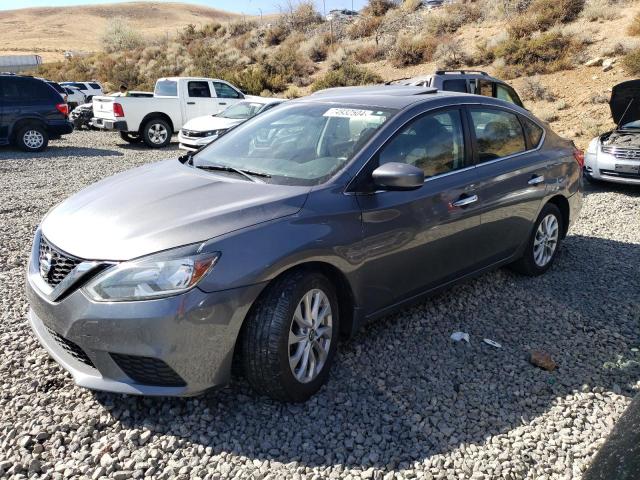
[(310, 336), (33, 139), (158, 133), (546, 240)]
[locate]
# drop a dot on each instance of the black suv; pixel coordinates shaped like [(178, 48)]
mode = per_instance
[(465, 81), (31, 113)]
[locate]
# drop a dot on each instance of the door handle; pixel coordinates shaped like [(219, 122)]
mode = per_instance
[(191, 103), (222, 103), (464, 201), (536, 180)]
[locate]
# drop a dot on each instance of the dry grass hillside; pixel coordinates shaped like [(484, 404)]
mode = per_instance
[(552, 51), (52, 30)]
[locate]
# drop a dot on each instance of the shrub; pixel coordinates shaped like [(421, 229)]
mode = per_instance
[(411, 5), (450, 53), (345, 76), (412, 50), (120, 36), (240, 27), (365, 26), (453, 16), (303, 16), (288, 65), (595, 10), (634, 26), (367, 52), (545, 53), (275, 35), (533, 89), (597, 98), (544, 14), (317, 49), (377, 8), (631, 62)]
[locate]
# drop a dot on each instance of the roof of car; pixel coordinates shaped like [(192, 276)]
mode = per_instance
[(389, 96)]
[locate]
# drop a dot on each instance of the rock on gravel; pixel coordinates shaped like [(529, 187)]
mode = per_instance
[(402, 402)]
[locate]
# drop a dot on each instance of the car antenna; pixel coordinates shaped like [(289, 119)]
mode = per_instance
[(625, 112)]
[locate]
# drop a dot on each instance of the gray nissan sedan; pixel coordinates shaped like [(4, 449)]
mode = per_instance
[(290, 232)]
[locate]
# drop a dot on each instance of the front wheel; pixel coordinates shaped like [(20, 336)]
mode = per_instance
[(289, 338), (156, 133), (543, 244), (131, 137)]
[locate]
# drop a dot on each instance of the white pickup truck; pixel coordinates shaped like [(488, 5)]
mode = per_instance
[(175, 101)]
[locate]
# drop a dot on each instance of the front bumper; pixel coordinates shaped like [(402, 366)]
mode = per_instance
[(192, 144), (105, 124), (174, 346), (602, 166)]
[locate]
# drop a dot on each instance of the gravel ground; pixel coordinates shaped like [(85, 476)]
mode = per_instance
[(403, 400)]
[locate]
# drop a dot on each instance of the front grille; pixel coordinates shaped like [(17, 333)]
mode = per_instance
[(54, 265), (71, 348), (622, 153), (148, 371), (193, 134), (613, 173)]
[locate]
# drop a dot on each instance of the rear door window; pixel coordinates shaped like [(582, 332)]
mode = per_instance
[(498, 133), (485, 88), (225, 91), (433, 143), (199, 89), (95, 86), (166, 88), (457, 85)]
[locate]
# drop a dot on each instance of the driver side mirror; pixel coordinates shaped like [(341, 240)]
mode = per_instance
[(398, 176)]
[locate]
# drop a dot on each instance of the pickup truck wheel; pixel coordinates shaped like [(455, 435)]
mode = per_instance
[(131, 137), (289, 338), (32, 138), (156, 133)]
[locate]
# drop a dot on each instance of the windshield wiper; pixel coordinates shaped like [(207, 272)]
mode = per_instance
[(245, 173)]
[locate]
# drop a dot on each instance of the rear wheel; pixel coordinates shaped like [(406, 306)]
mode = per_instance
[(32, 138), (290, 336), (131, 137), (156, 133), (543, 243)]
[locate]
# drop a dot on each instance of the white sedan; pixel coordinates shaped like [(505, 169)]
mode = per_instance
[(75, 96), (201, 131)]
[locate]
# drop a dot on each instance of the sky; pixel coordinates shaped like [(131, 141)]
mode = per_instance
[(240, 6)]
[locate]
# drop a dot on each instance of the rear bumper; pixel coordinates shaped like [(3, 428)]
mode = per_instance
[(60, 128), (105, 124)]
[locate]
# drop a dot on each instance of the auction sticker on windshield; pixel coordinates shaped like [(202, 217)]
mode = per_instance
[(347, 113)]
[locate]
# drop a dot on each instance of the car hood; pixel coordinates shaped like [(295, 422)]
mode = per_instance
[(209, 122), (625, 96), (161, 206)]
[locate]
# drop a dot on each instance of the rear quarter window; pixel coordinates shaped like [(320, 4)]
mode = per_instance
[(532, 131), (458, 85), (95, 86)]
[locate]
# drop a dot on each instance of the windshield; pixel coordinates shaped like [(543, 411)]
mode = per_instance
[(241, 110), (297, 144), (631, 125)]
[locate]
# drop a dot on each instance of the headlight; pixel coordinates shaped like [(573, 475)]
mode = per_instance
[(151, 277), (214, 133)]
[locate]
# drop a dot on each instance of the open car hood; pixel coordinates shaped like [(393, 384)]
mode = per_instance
[(622, 95)]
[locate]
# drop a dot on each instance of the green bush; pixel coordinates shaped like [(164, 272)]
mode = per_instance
[(412, 50), (545, 53), (544, 14), (275, 35), (453, 16), (346, 75), (377, 8), (365, 26)]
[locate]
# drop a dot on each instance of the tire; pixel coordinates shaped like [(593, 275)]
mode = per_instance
[(532, 263), (156, 133), (32, 138), (131, 137), (265, 342)]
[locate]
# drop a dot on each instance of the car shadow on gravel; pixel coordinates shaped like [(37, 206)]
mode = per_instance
[(402, 392), (54, 151), (602, 187), (172, 147)]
